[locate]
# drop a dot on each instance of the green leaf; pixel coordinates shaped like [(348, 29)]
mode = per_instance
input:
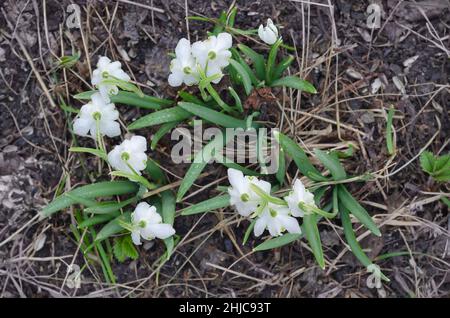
[(280, 68), (135, 178), (248, 232), (277, 242), (126, 86), (124, 248), (113, 227), (187, 97), (236, 98), (442, 164), (212, 115), (93, 151), (155, 172), (356, 209), (108, 207), (446, 201), (160, 117), (257, 59), (271, 61), (294, 151), (246, 80), (389, 135), (199, 164), (427, 161), (296, 83), (350, 237), (100, 189), (281, 172), (332, 164), (68, 61), (311, 231), (97, 219), (132, 99), (168, 216), (209, 205), (164, 129)]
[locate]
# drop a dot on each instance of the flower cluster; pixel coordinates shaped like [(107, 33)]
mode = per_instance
[(208, 57), (99, 118), (251, 198)]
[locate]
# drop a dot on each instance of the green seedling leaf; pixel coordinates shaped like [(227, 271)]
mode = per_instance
[(209, 205), (126, 86), (164, 129), (68, 61), (100, 189), (212, 115), (96, 152), (271, 61), (246, 80), (332, 164), (257, 59), (296, 83), (98, 219), (132, 99), (294, 151), (389, 133), (311, 231), (352, 241), (356, 209), (113, 227), (124, 248), (109, 207), (280, 68), (161, 117), (277, 242), (135, 178)]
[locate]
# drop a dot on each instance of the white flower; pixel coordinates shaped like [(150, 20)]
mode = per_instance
[(130, 155), (213, 54), (268, 34), (183, 67), (104, 69), (374, 279), (98, 112), (299, 194), (276, 219), (241, 196), (147, 223)]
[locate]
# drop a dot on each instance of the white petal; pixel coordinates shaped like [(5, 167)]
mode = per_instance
[(224, 41), (136, 237), (140, 212), (138, 161), (103, 62), (183, 49), (175, 79), (138, 144), (290, 224), (161, 231), (82, 125), (110, 128), (260, 226)]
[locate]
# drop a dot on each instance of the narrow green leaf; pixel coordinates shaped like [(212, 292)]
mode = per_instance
[(108, 207), (277, 242), (389, 134), (246, 80), (135, 178), (296, 83), (113, 227), (160, 117), (281, 171), (350, 237), (294, 151), (257, 59), (332, 164), (311, 231), (237, 99), (271, 61), (98, 219), (209, 205), (126, 86), (187, 97), (212, 115), (164, 129), (356, 209), (155, 172), (200, 162), (100, 189), (93, 151), (168, 207), (132, 99), (280, 68), (248, 231)]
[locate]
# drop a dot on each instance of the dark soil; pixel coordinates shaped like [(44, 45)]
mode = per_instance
[(34, 157)]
